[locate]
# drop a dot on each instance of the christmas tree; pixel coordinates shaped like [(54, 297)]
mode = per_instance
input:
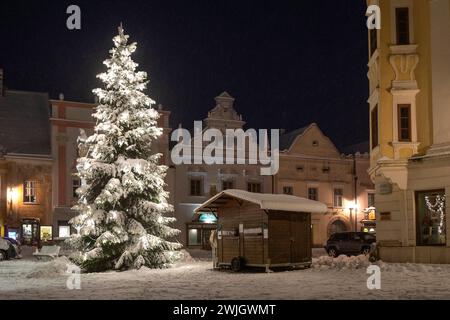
[(123, 219)]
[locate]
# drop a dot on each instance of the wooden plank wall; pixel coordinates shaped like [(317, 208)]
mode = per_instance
[(250, 246)]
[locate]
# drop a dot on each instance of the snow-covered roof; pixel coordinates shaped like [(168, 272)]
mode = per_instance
[(280, 202)]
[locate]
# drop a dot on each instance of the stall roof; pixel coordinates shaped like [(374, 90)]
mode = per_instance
[(280, 202)]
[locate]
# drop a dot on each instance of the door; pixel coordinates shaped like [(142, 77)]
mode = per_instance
[(280, 237), (30, 232), (300, 237), (290, 237)]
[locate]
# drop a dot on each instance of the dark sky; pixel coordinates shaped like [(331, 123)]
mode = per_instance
[(287, 63)]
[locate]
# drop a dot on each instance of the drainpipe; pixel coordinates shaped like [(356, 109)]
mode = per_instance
[(355, 192)]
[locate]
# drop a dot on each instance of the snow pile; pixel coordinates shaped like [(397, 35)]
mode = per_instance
[(195, 256), (341, 263), (50, 269)]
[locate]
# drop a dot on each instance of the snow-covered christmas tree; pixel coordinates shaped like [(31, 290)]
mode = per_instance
[(123, 219)]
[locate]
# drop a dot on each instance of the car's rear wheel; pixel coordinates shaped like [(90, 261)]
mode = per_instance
[(3, 255), (365, 251), (332, 252)]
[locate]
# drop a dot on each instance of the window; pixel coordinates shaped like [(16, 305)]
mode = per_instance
[(402, 24), (196, 187), (46, 233), (338, 195), (371, 199), (373, 41), (385, 216), (64, 232), (29, 192), (288, 190), (227, 185), (313, 194), (315, 143), (374, 126), (254, 187), (404, 122), (76, 183), (194, 237), (430, 218)]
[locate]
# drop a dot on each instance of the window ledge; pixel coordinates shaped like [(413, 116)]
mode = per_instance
[(404, 49)]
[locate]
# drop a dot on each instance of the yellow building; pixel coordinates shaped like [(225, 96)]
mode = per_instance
[(409, 79), (312, 167)]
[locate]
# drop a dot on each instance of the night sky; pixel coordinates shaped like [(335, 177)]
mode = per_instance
[(287, 63)]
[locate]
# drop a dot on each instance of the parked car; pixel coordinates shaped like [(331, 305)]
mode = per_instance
[(349, 243), (7, 250), (16, 245)]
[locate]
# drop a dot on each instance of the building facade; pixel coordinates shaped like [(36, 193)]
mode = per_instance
[(194, 184), (67, 120), (409, 80), (25, 166), (312, 167)]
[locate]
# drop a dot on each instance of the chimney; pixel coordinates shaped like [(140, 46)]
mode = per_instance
[(2, 92)]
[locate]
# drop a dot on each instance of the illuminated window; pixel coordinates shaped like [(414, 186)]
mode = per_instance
[(194, 238), (64, 232), (338, 195), (46, 233), (29, 192), (431, 218)]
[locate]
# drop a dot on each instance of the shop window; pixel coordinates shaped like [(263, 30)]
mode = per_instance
[(29, 192), (313, 194), (254, 187), (196, 187), (46, 233), (64, 232), (430, 218), (338, 195), (288, 190)]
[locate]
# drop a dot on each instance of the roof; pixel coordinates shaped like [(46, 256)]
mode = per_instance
[(24, 123), (361, 147), (287, 139), (280, 202)]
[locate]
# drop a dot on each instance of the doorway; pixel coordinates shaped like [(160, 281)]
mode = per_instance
[(30, 232)]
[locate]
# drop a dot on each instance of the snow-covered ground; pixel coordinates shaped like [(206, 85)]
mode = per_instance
[(341, 278)]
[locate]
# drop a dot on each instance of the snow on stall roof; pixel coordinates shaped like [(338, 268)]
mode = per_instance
[(280, 202)]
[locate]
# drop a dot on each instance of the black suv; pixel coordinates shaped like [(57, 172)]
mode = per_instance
[(349, 243)]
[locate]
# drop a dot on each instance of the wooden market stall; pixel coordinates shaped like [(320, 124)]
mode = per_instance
[(262, 230)]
